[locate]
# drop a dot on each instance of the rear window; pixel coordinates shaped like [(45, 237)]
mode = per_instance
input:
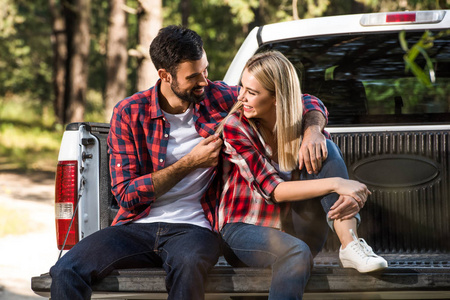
[(362, 79)]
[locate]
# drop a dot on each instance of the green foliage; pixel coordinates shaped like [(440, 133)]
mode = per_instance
[(28, 139), (417, 98), (94, 106), (425, 76), (25, 48), (8, 18), (243, 11), (207, 19)]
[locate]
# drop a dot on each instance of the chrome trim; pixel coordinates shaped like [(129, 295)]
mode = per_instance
[(386, 128)]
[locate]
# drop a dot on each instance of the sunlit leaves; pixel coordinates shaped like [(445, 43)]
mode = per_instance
[(425, 75)]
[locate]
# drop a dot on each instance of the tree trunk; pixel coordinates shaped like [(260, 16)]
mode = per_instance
[(59, 45), (295, 9), (185, 7), (150, 21), (116, 57), (77, 23), (357, 7)]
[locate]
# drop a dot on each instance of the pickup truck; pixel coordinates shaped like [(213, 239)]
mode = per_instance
[(385, 79)]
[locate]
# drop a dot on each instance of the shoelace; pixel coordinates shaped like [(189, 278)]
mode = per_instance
[(363, 246)]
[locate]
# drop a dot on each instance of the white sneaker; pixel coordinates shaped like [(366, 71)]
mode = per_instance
[(359, 255)]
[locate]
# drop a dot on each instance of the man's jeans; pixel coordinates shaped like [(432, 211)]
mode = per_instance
[(263, 247), (186, 252), (309, 218)]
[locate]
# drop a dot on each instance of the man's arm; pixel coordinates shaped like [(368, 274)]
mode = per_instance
[(313, 150), (135, 183), (204, 155)]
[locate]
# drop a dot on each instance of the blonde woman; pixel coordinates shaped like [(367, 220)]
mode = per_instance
[(262, 137)]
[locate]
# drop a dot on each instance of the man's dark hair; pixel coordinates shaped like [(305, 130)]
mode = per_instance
[(174, 45)]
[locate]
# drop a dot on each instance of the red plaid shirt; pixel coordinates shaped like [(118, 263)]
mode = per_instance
[(249, 177), (137, 144)]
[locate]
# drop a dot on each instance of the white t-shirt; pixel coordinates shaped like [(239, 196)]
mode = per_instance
[(181, 204)]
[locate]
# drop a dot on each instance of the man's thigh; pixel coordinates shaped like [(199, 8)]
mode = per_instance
[(185, 244), (124, 246)]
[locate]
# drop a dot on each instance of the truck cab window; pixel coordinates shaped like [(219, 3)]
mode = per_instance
[(362, 78)]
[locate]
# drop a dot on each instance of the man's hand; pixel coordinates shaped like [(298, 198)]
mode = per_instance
[(344, 208), (313, 150), (206, 153)]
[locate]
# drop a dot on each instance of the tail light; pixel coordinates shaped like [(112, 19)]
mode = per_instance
[(406, 17), (66, 195)]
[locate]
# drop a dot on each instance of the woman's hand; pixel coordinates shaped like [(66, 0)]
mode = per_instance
[(354, 189), (345, 208)]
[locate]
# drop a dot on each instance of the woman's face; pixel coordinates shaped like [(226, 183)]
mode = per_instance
[(258, 102)]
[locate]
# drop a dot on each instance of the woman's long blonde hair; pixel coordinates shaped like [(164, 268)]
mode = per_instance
[(277, 75)]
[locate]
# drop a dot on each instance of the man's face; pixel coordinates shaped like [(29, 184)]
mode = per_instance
[(190, 80)]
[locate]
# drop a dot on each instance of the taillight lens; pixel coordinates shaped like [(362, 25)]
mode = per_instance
[(406, 17), (66, 194), (401, 17)]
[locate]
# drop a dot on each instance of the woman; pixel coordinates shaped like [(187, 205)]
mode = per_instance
[(262, 137)]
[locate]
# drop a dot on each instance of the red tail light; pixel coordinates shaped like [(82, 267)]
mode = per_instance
[(401, 17), (66, 195), (405, 17)]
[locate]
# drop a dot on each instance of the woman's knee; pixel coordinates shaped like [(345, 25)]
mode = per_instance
[(334, 153), (334, 165)]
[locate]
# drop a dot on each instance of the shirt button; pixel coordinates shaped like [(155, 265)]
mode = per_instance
[(161, 160), (166, 135)]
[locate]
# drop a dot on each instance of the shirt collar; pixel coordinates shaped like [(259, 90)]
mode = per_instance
[(155, 109)]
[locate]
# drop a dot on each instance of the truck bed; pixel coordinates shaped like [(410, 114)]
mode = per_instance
[(412, 235), (409, 276)]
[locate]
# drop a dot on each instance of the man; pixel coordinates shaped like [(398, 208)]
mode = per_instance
[(163, 157)]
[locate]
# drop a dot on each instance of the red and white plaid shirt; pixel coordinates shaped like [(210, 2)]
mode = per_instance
[(137, 144), (249, 177)]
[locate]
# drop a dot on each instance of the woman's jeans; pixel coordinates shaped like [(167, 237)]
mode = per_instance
[(264, 247), (186, 252), (289, 255), (309, 218)]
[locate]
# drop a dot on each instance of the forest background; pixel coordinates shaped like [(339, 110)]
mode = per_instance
[(65, 61)]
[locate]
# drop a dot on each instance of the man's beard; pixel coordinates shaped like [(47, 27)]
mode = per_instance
[(187, 96)]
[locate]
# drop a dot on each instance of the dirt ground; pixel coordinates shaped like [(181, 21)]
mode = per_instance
[(31, 250)]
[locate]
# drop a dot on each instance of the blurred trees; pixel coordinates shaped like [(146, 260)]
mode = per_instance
[(25, 49), (70, 24), (116, 56), (149, 15), (59, 47), (57, 54), (77, 15)]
